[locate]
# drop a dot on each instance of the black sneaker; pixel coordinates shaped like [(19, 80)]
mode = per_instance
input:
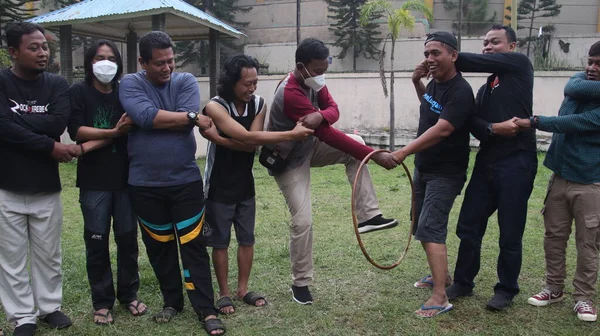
[(499, 302), (25, 330), (376, 223), (301, 295), (57, 320), (457, 290)]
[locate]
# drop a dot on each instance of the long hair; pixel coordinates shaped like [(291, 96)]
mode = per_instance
[(232, 72), (89, 57)]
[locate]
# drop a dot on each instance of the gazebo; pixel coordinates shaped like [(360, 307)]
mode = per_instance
[(124, 20)]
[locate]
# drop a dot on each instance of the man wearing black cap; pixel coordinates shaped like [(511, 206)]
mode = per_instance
[(505, 166), (441, 160)]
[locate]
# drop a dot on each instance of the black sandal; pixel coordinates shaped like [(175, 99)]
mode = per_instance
[(130, 305), (214, 324), (165, 315), (105, 316), (251, 298), (223, 302)]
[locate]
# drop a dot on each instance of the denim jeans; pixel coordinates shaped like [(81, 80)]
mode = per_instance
[(504, 185)]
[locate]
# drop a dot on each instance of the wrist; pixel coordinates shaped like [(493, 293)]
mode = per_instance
[(533, 121), (82, 150), (490, 129)]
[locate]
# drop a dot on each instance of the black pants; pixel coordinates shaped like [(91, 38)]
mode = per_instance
[(172, 216), (98, 207), (504, 185)]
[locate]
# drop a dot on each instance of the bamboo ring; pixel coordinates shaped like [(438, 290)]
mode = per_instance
[(355, 219)]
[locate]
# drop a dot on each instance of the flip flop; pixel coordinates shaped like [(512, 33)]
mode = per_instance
[(130, 305), (213, 324), (251, 298), (105, 316), (223, 302), (165, 315), (440, 309), (428, 280)]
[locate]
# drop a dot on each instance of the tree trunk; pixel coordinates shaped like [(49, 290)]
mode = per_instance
[(354, 56), (531, 26), (392, 113)]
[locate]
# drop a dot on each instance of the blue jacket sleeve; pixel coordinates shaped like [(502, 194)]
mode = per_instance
[(578, 87)]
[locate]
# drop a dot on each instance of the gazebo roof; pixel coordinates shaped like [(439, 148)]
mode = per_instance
[(113, 19)]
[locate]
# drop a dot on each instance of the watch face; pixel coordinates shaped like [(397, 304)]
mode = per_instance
[(192, 115)]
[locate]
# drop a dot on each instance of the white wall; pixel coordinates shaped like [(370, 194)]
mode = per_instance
[(364, 109)]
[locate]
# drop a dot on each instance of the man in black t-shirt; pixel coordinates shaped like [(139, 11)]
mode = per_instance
[(505, 166), (441, 160), (99, 125), (34, 111)]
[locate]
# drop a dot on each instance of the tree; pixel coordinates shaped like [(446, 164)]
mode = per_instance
[(13, 11), (398, 19), (350, 34), (528, 11), (474, 15), (196, 52)]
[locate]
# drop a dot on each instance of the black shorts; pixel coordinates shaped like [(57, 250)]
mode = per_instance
[(434, 197), (220, 217)]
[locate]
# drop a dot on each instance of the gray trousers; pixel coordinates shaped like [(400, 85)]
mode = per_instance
[(295, 186), (30, 223)]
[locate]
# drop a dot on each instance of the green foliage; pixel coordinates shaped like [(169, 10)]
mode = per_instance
[(196, 52), (527, 12), (474, 15), (14, 11), (350, 34), (5, 61)]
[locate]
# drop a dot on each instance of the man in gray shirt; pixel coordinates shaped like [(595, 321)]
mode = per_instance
[(166, 186)]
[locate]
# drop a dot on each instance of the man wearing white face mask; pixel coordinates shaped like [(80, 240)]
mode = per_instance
[(303, 96), (99, 126)]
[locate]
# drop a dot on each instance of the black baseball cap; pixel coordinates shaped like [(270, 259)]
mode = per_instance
[(444, 37)]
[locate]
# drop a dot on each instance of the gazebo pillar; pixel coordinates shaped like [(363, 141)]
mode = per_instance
[(159, 21), (214, 55), (132, 56), (66, 52)]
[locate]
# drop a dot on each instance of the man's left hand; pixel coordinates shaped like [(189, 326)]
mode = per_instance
[(203, 122), (399, 156), (312, 120)]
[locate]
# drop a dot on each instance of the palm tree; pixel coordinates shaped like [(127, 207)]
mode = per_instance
[(398, 19)]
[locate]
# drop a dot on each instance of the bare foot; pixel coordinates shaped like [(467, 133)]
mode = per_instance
[(137, 307), (257, 303), (427, 282)]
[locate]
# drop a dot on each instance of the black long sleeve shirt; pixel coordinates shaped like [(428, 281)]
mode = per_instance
[(33, 115), (507, 93)]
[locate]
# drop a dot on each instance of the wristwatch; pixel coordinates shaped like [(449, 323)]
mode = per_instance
[(192, 116), (533, 120), (490, 130)]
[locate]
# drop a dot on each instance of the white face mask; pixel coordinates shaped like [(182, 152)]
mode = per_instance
[(316, 83), (105, 71)]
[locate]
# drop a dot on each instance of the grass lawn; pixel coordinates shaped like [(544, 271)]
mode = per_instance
[(351, 296)]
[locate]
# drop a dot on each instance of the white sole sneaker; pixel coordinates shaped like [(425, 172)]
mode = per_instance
[(587, 317), (543, 303), (369, 228)]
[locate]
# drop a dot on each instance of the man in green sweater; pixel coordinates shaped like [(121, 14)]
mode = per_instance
[(573, 190)]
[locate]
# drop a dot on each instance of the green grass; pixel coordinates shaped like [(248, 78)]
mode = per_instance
[(351, 296)]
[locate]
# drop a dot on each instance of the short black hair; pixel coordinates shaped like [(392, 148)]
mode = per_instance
[(311, 49), (88, 58), (232, 72), (16, 30), (154, 40), (511, 36), (594, 49)]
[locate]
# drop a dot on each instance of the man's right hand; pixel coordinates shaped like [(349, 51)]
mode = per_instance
[(421, 71), (506, 128), (386, 160), (203, 122), (300, 132), (64, 153)]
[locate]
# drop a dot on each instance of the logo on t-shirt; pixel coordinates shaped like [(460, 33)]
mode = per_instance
[(30, 107), (433, 105)]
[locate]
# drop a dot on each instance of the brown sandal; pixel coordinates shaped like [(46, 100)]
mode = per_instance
[(129, 306)]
